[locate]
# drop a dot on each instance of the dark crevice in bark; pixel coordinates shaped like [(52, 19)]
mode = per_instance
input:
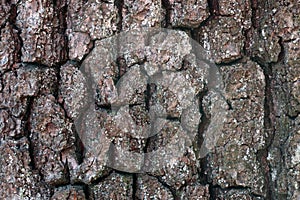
[(79, 147), (61, 185), (56, 94), (122, 66), (183, 186), (262, 155), (16, 138), (87, 191), (80, 121), (254, 6), (27, 130), (134, 186), (281, 55), (225, 15), (173, 119), (195, 34), (292, 118), (102, 178), (233, 62), (215, 189), (66, 169), (80, 62), (2, 26), (199, 148), (16, 35), (104, 1), (202, 172), (146, 147), (78, 144), (246, 33), (61, 11), (85, 188), (269, 122), (120, 4), (256, 196), (110, 172), (69, 195), (213, 6), (236, 187), (254, 25), (172, 190), (57, 90), (279, 141), (1, 83), (151, 89), (204, 123), (288, 40), (106, 107), (168, 8), (51, 192), (37, 65), (212, 192), (229, 103)]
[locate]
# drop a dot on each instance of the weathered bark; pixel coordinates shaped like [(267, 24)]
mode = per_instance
[(255, 45)]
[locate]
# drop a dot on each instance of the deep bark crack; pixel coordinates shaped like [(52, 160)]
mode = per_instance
[(120, 4), (269, 120), (27, 130), (167, 6)]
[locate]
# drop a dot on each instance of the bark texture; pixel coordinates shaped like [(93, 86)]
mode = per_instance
[(256, 46)]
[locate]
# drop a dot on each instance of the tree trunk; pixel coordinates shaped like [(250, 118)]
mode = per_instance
[(49, 138)]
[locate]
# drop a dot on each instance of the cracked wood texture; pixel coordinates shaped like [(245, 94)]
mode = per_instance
[(256, 46)]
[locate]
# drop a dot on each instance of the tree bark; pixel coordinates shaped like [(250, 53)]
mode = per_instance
[(43, 46)]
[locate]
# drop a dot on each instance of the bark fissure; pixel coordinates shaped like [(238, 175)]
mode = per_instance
[(173, 191), (134, 186), (27, 130), (269, 120), (16, 36), (167, 6), (120, 4)]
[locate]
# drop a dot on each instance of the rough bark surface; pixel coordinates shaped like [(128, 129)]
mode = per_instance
[(255, 45)]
